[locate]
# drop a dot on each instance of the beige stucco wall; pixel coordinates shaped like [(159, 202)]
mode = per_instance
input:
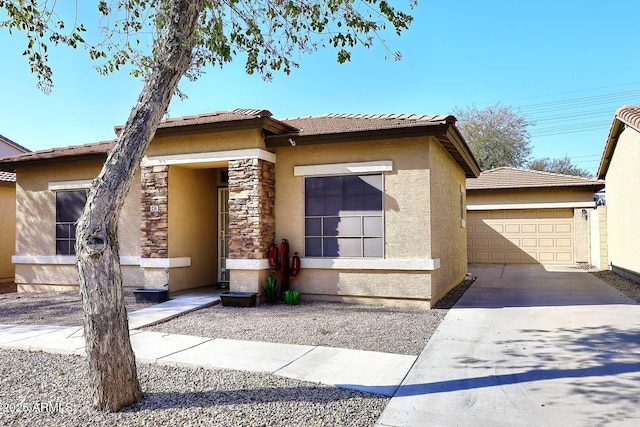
[(449, 237), (623, 200), (193, 207), (7, 229), (529, 196), (406, 217), (206, 142), (35, 223)]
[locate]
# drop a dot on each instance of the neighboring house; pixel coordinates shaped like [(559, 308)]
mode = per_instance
[(525, 216), (620, 167), (374, 204), (8, 210)]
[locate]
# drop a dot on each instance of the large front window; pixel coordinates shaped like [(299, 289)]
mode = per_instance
[(69, 205), (344, 216)]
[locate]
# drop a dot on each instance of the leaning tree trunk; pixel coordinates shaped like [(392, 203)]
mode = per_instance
[(112, 369)]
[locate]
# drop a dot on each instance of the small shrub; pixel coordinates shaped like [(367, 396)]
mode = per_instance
[(292, 297), (270, 290)]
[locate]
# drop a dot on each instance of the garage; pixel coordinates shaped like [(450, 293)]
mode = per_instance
[(524, 216), (544, 236)]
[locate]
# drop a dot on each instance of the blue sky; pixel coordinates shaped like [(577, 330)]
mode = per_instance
[(567, 64)]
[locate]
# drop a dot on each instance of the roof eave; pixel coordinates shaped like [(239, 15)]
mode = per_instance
[(617, 126), (595, 186)]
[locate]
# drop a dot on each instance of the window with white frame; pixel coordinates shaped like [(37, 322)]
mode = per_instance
[(69, 205), (344, 216)]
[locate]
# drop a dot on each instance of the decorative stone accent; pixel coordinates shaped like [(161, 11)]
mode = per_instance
[(155, 212), (252, 191)]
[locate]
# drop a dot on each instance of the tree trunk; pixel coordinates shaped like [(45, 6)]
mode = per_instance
[(112, 369)]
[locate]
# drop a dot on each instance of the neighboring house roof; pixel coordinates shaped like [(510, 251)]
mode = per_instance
[(313, 129), (628, 115), (7, 177), (508, 178), (13, 144)]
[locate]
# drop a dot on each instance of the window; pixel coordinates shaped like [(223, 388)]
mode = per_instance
[(69, 205), (344, 216)]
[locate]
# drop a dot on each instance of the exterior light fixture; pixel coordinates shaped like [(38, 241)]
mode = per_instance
[(585, 215)]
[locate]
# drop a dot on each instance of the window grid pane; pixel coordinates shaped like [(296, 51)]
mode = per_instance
[(69, 206), (344, 216)]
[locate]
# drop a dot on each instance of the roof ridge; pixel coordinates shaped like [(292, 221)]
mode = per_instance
[(381, 116), (541, 173)]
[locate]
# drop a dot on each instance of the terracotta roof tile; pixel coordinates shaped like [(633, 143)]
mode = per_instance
[(7, 177), (629, 114), (513, 178), (51, 153), (338, 123)]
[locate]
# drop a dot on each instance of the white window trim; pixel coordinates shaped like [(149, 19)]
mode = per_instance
[(547, 205), (124, 261), (344, 168), (428, 264), (69, 185), (209, 157)]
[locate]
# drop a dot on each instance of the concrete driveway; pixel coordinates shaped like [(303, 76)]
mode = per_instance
[(528, 346)]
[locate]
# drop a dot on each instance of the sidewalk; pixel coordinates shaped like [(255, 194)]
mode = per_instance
[(373, 372)]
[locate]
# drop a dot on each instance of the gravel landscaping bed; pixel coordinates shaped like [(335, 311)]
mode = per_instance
[(40, 389), (626, 286), (49, 308)]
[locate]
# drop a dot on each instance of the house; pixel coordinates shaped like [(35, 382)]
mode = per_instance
[(374, 205), (8, 210), (526, 216), (619, 166)]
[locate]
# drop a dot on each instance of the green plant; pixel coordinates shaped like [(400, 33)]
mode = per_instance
[(291, 297), (270, 290)]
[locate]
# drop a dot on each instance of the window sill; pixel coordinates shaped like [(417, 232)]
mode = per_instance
[(427, 264)]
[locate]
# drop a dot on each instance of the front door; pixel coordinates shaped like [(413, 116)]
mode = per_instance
[(223, 234)]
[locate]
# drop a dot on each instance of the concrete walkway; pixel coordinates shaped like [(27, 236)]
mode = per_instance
[(527, 346), (370, 371)]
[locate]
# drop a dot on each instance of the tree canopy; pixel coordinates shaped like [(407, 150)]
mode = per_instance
[(497, 135), (561, 165), (163, 40), (269, 34)]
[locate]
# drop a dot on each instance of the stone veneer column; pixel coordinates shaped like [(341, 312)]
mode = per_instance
[(155, 212), (252, 192)]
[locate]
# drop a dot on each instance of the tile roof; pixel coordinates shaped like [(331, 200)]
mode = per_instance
[(628, 115), (96, 148), (339, 123), (7, 177), (213, 117), (328, 124), (514, 178)]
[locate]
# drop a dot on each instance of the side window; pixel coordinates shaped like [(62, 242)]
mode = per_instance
[(344, 216), (69, 205)]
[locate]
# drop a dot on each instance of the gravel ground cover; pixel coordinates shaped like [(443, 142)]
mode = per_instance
[(626, 286), (49, 308), (40, 389)]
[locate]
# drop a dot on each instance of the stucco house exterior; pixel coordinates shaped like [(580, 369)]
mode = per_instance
[(8, 210), (374, 205), (526, 216), (619, 166)]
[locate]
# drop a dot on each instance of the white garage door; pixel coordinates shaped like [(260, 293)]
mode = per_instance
[(520, 236)]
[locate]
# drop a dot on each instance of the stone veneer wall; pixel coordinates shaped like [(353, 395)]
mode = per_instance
[(155, 210), (252, 193)]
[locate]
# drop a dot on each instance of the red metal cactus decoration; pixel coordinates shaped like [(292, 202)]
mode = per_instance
[(281, 263)]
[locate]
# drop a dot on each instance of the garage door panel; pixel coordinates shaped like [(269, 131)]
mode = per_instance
[(545, 228), (521, 236)]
